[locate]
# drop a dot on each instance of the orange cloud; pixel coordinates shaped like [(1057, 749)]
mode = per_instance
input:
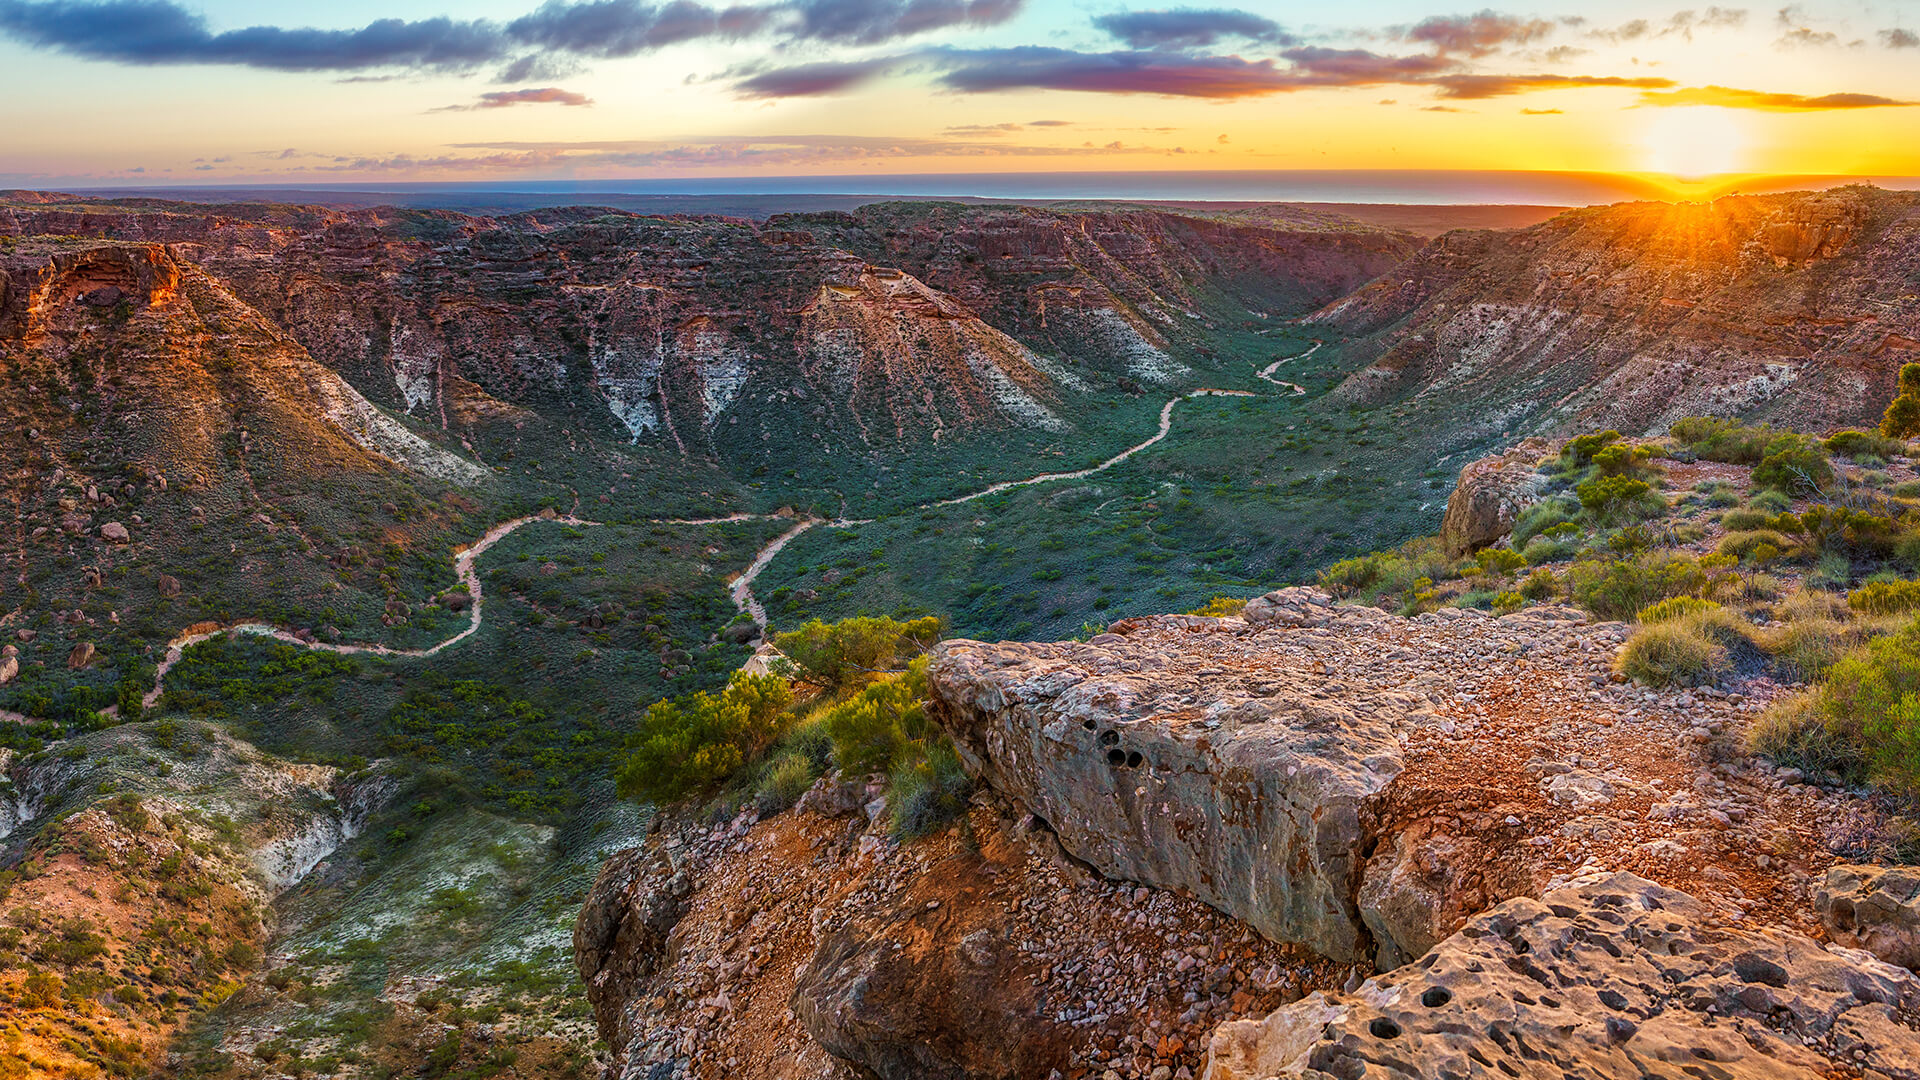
[(1727, 97)]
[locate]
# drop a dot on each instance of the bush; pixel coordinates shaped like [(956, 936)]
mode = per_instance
[(1744, 520), (1871, 703), (1717, 494), (1541, 516), (1858, 444), (1794, 464), (1902, 419), (1689, 650), (788, 778), (1770, 501), (1793, 731), (1620, 588), (1605, 494), (689, 745), (1715, 439), (1885, 597), (1630, 461), (1508, 602), (926, 793), (1677, 607), (835, 655), (1221, 607), (1499, 562), (1579, 452), (874, 729), (1541, 550), (1744, 545), (1539, 585)]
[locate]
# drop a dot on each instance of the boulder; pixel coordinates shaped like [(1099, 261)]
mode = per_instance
[(114, 532), (1151, 768), (1876, 908), (741, 633), (1611, 977), (80, 656), (456, 600), (1490, 495), (167, 585), (9, 668), (623, 927)]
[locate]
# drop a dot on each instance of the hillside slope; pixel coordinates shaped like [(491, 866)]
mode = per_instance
[(1798, 308)]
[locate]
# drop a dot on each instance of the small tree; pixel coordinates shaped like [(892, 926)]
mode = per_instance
[(689, 745), (1903, 416)]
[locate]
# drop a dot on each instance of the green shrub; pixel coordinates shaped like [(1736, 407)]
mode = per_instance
[(1604, 494), (1349, 577), (1794, 464), (1541, 516), (835, 655), (1508, 602), (1744, 520), (1676, 607), (1221, 607), (1540, 585), (1499, 562), (1579, 452), (1837, 528), (1743, 545), (1871, 702), (1629, 461), (1885, 597), (1858, 444), (1771, 501), (1621, 588), (927, 792), (872, 730), (1902, 419), (788, 778), (1540, 550), (1793, 731), (1689, 650), (1717, 494), (691, 744), (1715, 439), (1908, 490)]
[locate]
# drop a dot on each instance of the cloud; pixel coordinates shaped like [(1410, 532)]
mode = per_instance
[(1680, 24), (1133, 72), (813, 80), (1803, 37), (610, 29), (1543, 112), (1900, 39), (1477, 35), (870, 22), (1441, 108), (1321, 66), (1478, 87), (544, 43), (161, 32), (1727, 97), (1189, 28), (502, 99)]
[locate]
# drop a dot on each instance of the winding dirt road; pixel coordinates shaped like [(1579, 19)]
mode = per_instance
[(741, 589)]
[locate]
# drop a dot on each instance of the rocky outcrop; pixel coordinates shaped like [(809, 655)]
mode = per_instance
[(1612, 976), (1251, 798), (1362, 783), (1489, 496), (1875, 908)]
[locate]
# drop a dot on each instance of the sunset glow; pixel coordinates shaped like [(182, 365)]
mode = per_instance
[(173, 92)]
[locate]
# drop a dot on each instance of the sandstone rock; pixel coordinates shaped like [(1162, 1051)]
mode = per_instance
[(1876, 908), (1613, 976), (1490, 495), (1252, 802), (456, 600), (80, 656), (741, 633), (9, 668), (167, 585), (623, 928), (929, 989), (26, 635), (115, 532)]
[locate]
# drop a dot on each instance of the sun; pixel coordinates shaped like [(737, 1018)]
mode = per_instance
[(1693, 142)]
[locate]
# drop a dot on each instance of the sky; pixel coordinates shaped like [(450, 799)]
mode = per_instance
[(174, 92)]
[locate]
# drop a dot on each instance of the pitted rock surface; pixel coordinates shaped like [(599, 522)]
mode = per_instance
[(1250, 794), (1876, 908), (1363, 783), (1613, 976)]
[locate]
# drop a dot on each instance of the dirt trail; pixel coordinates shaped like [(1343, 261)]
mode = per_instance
[(741, 589), (1267, 372)]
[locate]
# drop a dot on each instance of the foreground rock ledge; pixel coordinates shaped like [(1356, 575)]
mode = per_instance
[(1614, 976), (1249, 794)]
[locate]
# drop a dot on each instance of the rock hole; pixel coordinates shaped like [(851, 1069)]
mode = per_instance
[(1613, 999), (1436, 996), (1841, 914), (1134, 759), (1758, 969), (1108, 738), (1088, 724), (1384, 1028), (1116, 757)]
